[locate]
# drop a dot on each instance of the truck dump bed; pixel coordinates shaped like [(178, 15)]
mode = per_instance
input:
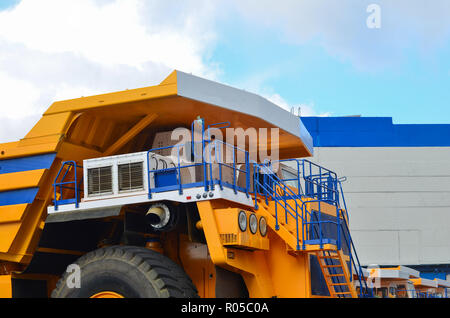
[(119, 123)]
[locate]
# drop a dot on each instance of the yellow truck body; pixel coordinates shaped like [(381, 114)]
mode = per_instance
[(277, 265)]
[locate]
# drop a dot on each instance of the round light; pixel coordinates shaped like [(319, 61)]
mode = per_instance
[(242, 220), (253, 221), (263, 226)]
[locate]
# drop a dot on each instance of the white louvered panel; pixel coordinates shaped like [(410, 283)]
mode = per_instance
[(99, 181), (131, 176)]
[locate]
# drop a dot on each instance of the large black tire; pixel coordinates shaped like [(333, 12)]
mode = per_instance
[(132, 272)]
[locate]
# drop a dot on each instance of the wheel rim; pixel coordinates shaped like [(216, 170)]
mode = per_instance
[(107, 294)]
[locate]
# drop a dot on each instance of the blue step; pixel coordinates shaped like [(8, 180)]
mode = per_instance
[(66, 201), (324, 241)]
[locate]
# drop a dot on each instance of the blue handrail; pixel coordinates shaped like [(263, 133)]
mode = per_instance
[(206, 162), (67, 165), (324, 180)]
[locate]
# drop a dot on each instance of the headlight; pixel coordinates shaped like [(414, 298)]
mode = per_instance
[(242, 220), (263, 226), (253, 221)]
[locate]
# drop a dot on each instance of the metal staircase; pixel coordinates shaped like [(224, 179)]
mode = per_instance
[(336, 274), (303, 229)]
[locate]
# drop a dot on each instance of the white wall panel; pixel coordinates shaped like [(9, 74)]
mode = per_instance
[(398, 200)]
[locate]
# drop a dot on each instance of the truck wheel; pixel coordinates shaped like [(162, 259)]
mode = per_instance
[(125, 272)]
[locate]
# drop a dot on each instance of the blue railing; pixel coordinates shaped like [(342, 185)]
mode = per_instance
[(168, 179), (268, 184), (62, 187), (322, 186), (281, 194), (212, 158)]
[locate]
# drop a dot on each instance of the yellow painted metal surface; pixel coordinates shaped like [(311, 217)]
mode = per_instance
[(21, 180), (267, 273), (196, 261), (5, 286), (11, 221), (124, 122), (231, 235), (107, 294), (12, 213), (280, 271)]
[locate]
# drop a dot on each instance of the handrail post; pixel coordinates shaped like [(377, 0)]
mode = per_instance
[(179, 170), (148, 175), (277, 226), (303, 226), (338, 228), (265, 182), (76, 184), (55, 201), (298, 177), (296, 224), (234, 170), (205, 168), (247, 173), (220, 167), (210, 162), (255, 176), (320, 225)]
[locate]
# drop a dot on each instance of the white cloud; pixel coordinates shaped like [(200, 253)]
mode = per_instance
[(256, 83), (303, 109), (60, 49), (113, 32)]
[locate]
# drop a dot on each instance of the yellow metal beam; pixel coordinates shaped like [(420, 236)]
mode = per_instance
[(5, 286), (105, 100), (21, 180), (59, 251), (141, 125), (14, 152), (11, 213), (72, 151)]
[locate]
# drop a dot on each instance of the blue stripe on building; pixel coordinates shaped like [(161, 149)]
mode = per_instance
[(374, 132), (27, 163), (21, 196), (306, 137)]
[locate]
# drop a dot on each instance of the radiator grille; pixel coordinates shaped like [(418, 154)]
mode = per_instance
[(100, 180), (131, 177), (228, 238)]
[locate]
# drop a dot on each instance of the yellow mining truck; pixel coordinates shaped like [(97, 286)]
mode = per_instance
[(99, 200), (393, 282)]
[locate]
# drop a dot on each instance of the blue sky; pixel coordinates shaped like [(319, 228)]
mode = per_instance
[(5, 4), (319, 55), (414, 88)]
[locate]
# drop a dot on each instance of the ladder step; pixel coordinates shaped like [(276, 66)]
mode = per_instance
[(332, 266), (335, 275), (333, 257), (340, 284), (344, 293)]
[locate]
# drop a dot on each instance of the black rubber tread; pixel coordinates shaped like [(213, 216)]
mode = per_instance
[(185, 283), (159, 276)]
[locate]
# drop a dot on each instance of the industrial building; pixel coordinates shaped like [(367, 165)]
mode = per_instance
[(397, 187)]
